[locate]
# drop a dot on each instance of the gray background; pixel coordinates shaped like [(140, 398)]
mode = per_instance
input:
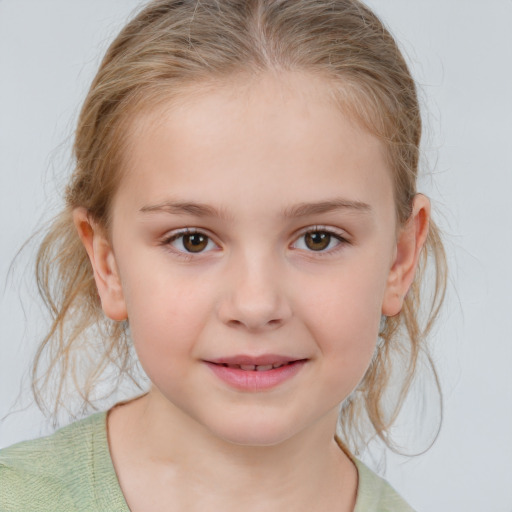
[(461, 54)]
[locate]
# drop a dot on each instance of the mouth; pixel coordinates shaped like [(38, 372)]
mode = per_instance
[(256, 373), (259, 363), (256, 367)]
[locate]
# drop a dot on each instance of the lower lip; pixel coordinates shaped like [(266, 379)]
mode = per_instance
[(247, 380)]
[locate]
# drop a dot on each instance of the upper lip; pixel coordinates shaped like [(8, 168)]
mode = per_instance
[(261, 360)]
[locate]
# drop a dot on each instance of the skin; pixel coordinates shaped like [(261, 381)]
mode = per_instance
[(255, 153)]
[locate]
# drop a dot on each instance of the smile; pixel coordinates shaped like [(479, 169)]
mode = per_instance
[(257, 368), (257, 374)]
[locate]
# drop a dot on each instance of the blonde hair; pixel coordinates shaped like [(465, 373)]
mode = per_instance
[(170, 46)]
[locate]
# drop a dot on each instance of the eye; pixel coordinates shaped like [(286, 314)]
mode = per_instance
[(191, 242), (318, 240)]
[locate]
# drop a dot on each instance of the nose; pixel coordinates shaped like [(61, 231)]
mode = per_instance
[(254, 298)]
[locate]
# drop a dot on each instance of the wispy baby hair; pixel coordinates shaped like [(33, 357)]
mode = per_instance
[(174, 47)]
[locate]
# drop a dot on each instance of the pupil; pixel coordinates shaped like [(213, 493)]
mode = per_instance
[(318, 240), (195, 242)]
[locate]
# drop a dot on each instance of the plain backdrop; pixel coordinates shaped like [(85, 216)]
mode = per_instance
[(461, 55)]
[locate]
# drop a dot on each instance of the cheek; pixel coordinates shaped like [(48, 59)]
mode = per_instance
[(343, 315), (166, 317)]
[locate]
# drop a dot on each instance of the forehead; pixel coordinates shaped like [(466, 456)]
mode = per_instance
[(280, 132)]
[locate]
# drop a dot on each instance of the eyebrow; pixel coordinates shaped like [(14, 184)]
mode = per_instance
[(299, 210), (185, 208), (306, 209)]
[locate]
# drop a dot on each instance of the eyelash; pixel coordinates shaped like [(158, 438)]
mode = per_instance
[(342, 241), (167, 242), (332, 233)]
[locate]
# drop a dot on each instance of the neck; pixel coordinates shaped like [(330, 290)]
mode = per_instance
[(307, 471)]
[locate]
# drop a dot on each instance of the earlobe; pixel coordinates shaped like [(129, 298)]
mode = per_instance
[(103, 262), (410, 241)]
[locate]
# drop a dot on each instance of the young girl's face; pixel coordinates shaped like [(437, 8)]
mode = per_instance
[(254, 228)]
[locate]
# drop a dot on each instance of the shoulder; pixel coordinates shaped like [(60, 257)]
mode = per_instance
[(54, 472), (374, 494)]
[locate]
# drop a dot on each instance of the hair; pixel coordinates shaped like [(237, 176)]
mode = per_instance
[(166, 49)]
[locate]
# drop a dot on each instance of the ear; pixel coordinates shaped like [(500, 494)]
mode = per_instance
[(104, 265), (410, 241)]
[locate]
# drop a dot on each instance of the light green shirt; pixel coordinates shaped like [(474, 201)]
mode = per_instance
[(72, 471)]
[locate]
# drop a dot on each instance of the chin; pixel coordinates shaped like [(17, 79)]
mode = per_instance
[(256, 439), (253, 432)]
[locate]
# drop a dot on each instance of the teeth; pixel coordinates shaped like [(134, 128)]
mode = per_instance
[(253, 367), (264, 368)]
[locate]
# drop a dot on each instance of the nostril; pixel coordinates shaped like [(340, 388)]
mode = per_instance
[(239, 323), (253, 311)]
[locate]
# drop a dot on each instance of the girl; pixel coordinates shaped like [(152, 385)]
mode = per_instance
[(243, 212)]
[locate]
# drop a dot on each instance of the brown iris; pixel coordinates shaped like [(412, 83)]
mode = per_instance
[(195, 242), (317, 240)]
